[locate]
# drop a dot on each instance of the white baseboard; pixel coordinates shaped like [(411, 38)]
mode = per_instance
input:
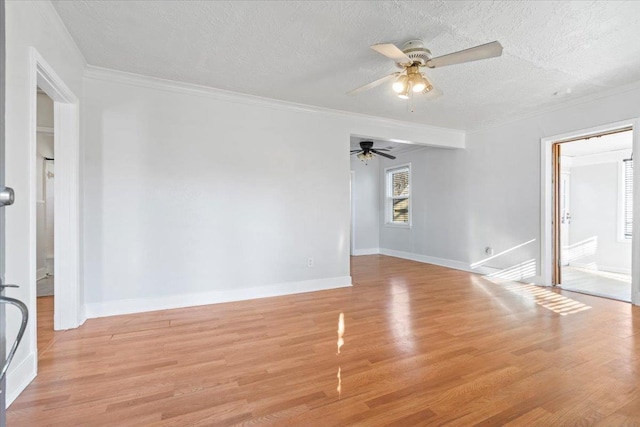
[(601, 268), (370, 251), (139, 305), (443, 262), (20, 377), (449, 263), (41, 273)]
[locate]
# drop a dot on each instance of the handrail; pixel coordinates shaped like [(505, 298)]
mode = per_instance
[(23, 326)]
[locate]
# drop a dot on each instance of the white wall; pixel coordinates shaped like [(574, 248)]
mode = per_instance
[(194, 196), (595, 213), (438, 209), (504, 168), (366, 194), (186, 186), (28, 24), (488, 195)]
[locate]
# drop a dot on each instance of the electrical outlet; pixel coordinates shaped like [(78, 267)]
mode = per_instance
[(309, 262)]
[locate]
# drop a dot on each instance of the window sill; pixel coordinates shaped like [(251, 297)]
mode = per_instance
[(624, 240), (396, 225)]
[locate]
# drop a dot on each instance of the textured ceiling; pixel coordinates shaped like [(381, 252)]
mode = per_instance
[(313, 52)]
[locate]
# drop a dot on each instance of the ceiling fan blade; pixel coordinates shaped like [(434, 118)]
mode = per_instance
[(388, 156), (382, 149), (485, 51), (392, 51), (373, 84), (355, 151)]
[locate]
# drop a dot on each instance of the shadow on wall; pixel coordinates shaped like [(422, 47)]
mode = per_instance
[(580, 250), (527, 269), (519, 271)]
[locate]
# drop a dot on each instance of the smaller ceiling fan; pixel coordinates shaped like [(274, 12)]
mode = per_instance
[(413, 56), (367, 151)]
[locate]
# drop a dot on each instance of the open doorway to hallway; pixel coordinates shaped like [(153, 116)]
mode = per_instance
[(45, 174), (594, 213)]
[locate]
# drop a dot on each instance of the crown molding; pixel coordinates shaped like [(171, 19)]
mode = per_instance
[(557, 107), (123, 77), (65, 31)]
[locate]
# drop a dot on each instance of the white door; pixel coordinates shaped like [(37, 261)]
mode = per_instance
[(565, 216), (6, 199), (3, 346)]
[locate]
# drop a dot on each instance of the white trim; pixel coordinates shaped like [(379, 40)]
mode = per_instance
[(352, 199), (67, 304), (397, 224), (449, 263), (140, 305), (589, 266), (45, 130), (546, 202), (581, 100), (442, 137), (388, 203), (25, 372), (368, 251), (443, 262)]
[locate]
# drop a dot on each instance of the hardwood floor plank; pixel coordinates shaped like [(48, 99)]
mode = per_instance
[(423, 345)]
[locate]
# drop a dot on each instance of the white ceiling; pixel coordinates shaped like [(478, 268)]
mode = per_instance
[(394, 148), (313, 52), (602, 144)]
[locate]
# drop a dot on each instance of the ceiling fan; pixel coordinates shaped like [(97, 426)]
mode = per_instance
[(413, 56), (367, 151)]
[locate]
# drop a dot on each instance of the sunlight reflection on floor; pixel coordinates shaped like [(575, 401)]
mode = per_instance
[(548, 299)]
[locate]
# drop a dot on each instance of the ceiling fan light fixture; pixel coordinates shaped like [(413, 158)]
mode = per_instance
[(400, 84), (405, 93), (418, 83), (365, 156), (428, 87)]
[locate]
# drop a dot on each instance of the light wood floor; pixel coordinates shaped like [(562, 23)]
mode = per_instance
[(423, 345)]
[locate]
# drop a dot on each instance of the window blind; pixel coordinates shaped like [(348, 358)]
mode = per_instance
[(628, 198)]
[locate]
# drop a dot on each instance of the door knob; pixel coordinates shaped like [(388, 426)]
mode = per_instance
[(7, 196), (2, 286)]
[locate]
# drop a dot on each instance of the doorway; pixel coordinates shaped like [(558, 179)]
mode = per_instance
[(45, 173), (593, 213), (62, 166)]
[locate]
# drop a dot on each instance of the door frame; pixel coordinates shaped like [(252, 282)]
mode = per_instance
[(352, 201), (547, 202), (68, 307)]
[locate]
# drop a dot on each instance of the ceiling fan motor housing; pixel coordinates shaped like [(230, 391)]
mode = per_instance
[(416, 51), (366, 145)]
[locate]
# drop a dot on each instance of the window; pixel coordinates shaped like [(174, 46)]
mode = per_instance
[(398, 196), (627, 215)]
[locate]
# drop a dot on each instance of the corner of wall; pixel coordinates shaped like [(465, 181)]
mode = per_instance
[(20, 377)]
